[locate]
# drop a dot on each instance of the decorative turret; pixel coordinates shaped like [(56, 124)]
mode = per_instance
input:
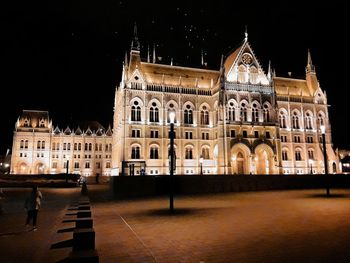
[(222, 82), (311, 78), (135, 60)]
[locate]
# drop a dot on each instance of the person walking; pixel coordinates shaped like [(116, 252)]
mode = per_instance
[(32, 205)]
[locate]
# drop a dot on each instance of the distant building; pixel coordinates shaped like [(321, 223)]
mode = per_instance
[(237, 119), (39, 148)]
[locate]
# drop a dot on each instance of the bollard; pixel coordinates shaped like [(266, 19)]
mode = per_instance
[(84, 189)]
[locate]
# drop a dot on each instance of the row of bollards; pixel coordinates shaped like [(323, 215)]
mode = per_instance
[(83, 247)]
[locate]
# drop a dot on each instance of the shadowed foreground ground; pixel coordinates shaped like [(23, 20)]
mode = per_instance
[(277, 226)]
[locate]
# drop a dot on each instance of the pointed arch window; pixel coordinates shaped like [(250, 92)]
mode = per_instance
[(154, 113), (285, 155), (189, 153), (231, 112), (188, 115), (242, 72), (295, 121), (255, 113), (243, 112), (204, 116), (135, 152), (266, 113), (154, 153), (321, 119), (136, 112), (205, 153), (297, 155), (308, 121), (283, 120)]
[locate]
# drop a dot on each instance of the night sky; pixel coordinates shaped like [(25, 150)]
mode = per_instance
[(66, 56)]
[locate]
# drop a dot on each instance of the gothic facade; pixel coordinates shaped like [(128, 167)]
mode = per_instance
[(234, 120), (40, 148)]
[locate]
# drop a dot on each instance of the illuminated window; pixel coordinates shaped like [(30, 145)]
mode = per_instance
[(135, 152), (153, 153), (154, 113), (188, 153), (188, 115)]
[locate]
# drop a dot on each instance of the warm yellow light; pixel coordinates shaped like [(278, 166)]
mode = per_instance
[(172, 116), (201, 159), (323, 129)]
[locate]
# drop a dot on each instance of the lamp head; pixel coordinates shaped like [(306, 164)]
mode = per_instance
[(67, 156), (172, 116), (201, 159), (310, 161), (323, 129)]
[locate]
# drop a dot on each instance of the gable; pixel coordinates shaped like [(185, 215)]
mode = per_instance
[(242, 66)]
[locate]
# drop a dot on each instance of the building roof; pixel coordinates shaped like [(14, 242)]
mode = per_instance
[(289, 86), (35, 114), (176, 76)]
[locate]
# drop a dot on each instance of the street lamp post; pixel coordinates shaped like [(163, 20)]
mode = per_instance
[(201, 164), (323, 131), (67, 168), (310, 164), (172, 161)]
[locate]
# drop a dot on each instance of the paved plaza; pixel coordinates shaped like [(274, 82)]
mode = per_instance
[(276, 226)]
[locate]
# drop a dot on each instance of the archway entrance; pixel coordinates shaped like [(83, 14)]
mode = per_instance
[(240, 163), (240, 159), (39, 169), (23, 168), (264, 159)]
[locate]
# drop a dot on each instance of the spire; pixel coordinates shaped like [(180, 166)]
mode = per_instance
[(246, 33), (269, 72), (221, 63), (148, 60), (135, 44), (126, 59), (171, 61), (154, 53), (202, 58), (310, 68)]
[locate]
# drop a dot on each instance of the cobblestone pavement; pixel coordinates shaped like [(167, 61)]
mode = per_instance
[(277, 226)]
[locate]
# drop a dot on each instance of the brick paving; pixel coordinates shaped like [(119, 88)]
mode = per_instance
[(277, 226)]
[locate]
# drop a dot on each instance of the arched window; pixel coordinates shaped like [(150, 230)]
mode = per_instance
[(188, 153), (242, 74), (205, 153), (188, 115), (311, 154), (135, 152), (298, 155), (90, 146), (308, 121), (153, 154), (136, 112), (75, 146), (231, 112), (295, 120), (283, 119), (38, 145), (243, 112), (253, 75), (43, 145), (79, 146), (204, 116), (42, 123), (57, 146), (320, 118), (284, 155), (86, 147), (171, 108), (154, 113), (255, 113), (21, 145), (100, 147), (53, 146), (96, 147), (266, 113)]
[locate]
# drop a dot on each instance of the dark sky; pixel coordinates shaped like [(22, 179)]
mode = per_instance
[(66, 56)]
